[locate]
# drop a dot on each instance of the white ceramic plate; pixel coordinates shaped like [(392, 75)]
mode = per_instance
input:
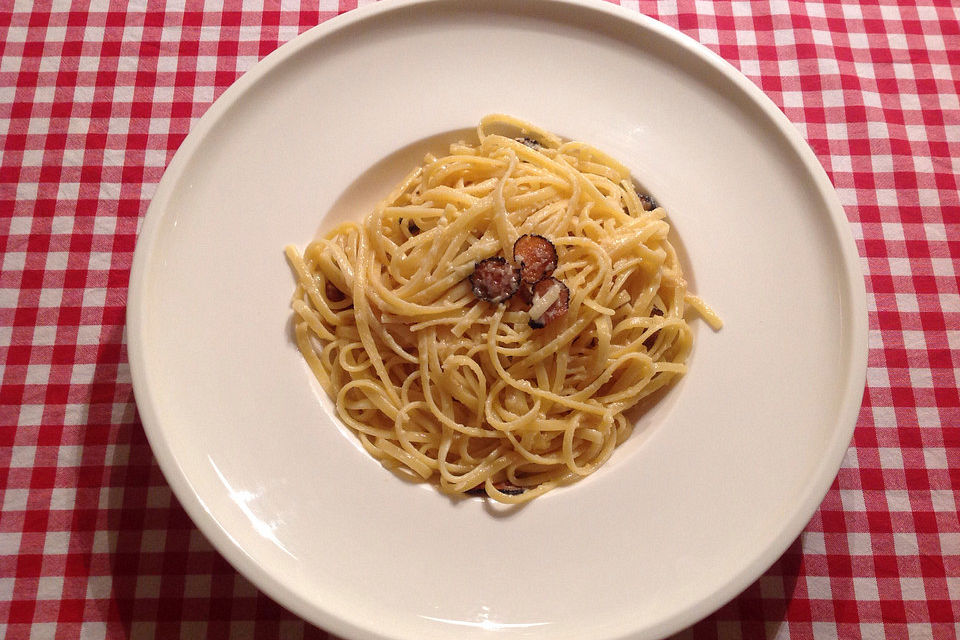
[(720, 478)]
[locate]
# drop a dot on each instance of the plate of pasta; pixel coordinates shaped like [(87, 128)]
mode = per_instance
[(455, 318)]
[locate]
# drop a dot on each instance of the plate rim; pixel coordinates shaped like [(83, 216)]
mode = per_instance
[(852, 285)]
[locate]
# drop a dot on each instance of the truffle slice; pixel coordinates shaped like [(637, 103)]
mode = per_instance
[(536, 256), (494, 280), (551, 299)]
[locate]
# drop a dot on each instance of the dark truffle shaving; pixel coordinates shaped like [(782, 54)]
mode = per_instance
[(530, 142), (652, 338), (333, 294), (649, 204), (556, 310), (536, 256), (494, 280), (411, 227), (502, 487)]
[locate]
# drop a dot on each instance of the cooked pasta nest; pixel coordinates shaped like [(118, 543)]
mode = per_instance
[(472, 395)]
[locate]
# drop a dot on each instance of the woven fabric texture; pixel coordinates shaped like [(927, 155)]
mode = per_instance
[(96, 98)]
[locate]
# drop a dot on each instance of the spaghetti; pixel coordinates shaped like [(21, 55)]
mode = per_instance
[(505, 392)]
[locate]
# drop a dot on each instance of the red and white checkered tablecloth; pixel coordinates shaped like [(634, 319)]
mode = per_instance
[(94, 101)]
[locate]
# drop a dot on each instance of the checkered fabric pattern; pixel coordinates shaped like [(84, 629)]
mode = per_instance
[(94, 101)]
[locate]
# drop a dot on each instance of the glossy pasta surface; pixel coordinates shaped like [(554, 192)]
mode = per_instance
[(470, 394)]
